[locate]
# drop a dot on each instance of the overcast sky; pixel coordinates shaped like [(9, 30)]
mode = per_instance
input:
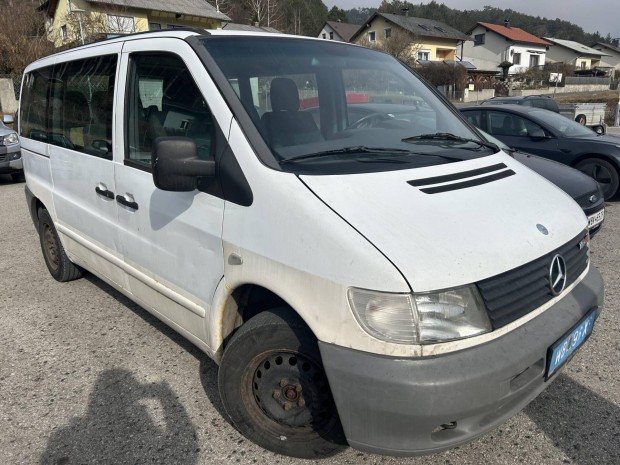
[(595, 15)]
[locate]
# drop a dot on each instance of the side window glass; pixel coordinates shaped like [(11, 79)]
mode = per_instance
[(80, 106), (34, 103), (507, 124), (163, 100), (475, 118)]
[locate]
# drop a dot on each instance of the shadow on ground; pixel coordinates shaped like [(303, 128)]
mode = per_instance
[(126, 422), (584, 425)]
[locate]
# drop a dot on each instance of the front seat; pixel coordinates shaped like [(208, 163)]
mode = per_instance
[(285, 125)]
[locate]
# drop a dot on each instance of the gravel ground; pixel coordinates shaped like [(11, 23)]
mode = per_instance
[(86, 376)]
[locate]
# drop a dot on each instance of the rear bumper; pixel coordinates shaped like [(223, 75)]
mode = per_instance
[(396, 406)]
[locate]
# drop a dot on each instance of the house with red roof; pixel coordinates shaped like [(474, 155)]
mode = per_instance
[(494, 44)]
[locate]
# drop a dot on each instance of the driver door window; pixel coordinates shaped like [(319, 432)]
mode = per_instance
[(163, 100)]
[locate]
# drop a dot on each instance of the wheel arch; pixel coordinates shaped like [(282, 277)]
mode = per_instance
[(232, 307), (599, 156)]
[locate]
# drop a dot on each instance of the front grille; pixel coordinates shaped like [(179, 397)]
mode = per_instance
[(4, 157), (513, 294)]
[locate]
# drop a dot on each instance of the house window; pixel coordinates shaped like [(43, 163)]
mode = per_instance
[(121, 24), (424, 55), (324, 35), (440, 29), (154, 26), (63, 32), (425, 27), (479, 39), (331, 36), (516, 59), (583, 65), (534, 61), (388, 32), (372, 36)]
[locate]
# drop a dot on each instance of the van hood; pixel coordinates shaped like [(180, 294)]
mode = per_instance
[(454, 224)]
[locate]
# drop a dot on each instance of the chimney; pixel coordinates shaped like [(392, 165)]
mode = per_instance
[(405, 11), (507, 23), (616, 42)]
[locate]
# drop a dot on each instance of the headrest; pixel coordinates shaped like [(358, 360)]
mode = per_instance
[(284, 95)]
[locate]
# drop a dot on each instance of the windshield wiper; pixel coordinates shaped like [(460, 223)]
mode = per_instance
[(450, 136), (345, 151)]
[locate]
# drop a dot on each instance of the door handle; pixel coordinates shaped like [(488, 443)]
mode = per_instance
[(104, 192), (129, 203)]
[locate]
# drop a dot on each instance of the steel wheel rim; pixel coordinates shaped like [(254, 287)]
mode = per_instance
[(49, 247), (292, 390)]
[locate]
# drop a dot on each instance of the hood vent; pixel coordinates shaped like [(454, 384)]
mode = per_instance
[(499, 171)]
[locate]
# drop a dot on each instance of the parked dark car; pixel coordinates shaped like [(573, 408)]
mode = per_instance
[(581, 187), (538, 101), (10, 151), (551, 135)]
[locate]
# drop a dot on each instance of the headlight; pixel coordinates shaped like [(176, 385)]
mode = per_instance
[(420, 318), (11, 139)]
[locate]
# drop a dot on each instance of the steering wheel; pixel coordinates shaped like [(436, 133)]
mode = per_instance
[(369, 121)]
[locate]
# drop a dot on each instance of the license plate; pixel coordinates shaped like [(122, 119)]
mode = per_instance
[(563, 349), (596, 218)]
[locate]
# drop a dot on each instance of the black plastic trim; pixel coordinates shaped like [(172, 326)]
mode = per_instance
[(466, 184), (456, 176)]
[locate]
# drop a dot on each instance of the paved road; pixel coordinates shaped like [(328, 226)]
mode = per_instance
[(88, 377)]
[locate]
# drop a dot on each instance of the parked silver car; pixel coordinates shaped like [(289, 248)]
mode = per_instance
[(10, 151)]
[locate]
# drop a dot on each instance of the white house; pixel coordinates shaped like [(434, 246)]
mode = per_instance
[(612, 57), (339, 31), (574, 53), (494, 44)]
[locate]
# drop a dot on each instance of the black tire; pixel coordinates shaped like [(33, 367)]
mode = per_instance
[(58, 264), (18, 177), (274, 388), (581, 119), (604, 172)]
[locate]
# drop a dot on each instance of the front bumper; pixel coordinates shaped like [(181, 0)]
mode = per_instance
[(8, 163), (397, 406)]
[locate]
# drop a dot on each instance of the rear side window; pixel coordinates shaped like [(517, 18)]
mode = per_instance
[(70, 105), (34, 104)]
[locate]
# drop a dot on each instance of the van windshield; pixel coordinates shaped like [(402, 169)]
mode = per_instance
[(328, 105)]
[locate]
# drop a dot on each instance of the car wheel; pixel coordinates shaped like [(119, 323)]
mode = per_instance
[(57, 261), (581, 119), (18, 177), (274, 388), (603, 172)]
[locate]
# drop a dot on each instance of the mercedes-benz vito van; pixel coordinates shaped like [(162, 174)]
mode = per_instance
[(361, 264)]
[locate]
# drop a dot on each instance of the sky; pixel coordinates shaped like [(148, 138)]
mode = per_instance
[(594, 15)]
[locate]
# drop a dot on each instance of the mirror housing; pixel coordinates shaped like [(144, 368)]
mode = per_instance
[(538, 134), (8, 119), (176, 166)]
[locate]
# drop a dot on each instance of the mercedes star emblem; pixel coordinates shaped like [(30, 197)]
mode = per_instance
[(557, 275)]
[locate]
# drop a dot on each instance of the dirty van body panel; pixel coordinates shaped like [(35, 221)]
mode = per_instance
[(471, 391), (171, 243), (291, 243), (462, 233)]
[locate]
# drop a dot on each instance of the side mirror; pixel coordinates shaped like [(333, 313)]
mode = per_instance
[(537, 134), (176, 166), (8, 119)]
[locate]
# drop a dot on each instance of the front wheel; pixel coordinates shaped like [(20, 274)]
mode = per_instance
[(274, 388), (57, 261), (603, 172)]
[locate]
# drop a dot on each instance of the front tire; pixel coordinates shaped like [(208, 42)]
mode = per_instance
[(274, 388), (57, 261), (603, 172)]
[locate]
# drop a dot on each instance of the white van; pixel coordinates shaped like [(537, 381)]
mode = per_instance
[(362, 265)]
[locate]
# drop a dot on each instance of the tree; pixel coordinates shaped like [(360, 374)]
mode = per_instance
[(265, 12), (402, 45), (22, 36), (337, 14)]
